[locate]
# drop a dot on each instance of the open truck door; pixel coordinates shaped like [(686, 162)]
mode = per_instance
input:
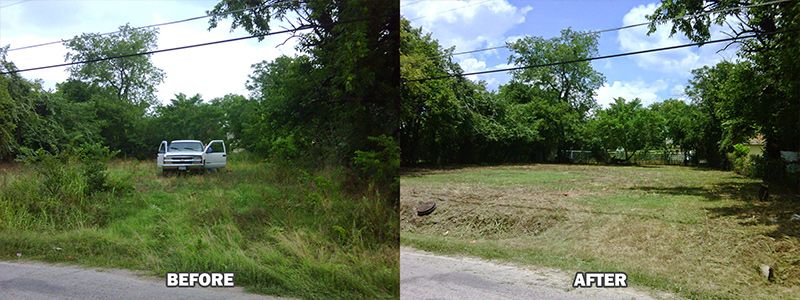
[(215, 155), (162, 149)]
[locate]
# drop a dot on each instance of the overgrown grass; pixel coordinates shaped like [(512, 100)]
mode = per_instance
[(698, 233), (282, 231)]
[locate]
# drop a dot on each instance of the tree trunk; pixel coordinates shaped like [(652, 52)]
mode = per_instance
[(773, 170)]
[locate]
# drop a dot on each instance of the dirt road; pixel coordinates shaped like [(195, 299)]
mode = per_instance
[(425, 275), (34, 280)]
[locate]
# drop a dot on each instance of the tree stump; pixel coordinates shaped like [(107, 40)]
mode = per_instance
[(763, 193)]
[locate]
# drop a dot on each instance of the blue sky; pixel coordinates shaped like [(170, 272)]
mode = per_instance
[(476, 24)]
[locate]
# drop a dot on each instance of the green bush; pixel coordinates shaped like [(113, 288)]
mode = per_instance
[(745, 164), (740, 150), (284, 148), (58, 177), (62, 191), (380, 167), (94, 158)]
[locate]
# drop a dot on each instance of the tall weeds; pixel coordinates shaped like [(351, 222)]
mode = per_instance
[(64, 191)]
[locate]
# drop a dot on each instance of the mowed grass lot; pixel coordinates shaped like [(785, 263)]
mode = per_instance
[(282, 231), (693, 232)]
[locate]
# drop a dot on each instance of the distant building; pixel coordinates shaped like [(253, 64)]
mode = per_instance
[(756, 145), (790, 158)]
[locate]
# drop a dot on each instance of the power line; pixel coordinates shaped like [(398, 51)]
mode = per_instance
[(304, 27), (636, 25), (155, 25), (411, 3), (582, 59), (159, 51), (449, 10), (15, 3)]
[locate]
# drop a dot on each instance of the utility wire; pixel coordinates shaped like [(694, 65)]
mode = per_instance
[(304, 27), (155, 25), (636, 25), (411, 3), (159, 50), (582, 59), (15, 3), (449, 10)]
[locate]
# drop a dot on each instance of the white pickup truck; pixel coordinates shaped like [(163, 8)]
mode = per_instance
[(184, 155)]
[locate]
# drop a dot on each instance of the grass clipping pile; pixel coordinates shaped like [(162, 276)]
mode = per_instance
[(472, 212)]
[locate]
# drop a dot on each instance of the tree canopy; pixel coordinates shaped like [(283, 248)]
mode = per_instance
[(756, 94), (133, 79)]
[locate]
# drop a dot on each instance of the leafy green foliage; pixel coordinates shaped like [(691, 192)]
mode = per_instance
[(190, 118), (343, 90), (683, 125), (572, 83), (744, 163), (627, 126), (373, 164), (537, 115), (757, 94), (65, 190), (34, 118), (434, 115), (133, 79), (95, 159), (238, 113)]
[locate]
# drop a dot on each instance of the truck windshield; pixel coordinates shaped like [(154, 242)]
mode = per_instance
[(186, 146)]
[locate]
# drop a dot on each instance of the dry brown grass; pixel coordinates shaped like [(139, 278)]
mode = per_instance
[(699, 233)]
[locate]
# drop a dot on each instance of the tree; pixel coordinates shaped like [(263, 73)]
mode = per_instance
[(285, 120), (31, 117), (190, 118), (708, 89), (766, 85), (568, 89), (353, 47), (432, 116), (8, 106), (627, 125), (683, 124), (120, 90), (238, 114), (572, 83), (133, 79)]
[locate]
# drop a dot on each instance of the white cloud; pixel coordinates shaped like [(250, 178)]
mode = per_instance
[(678, 61), (514, 38), (647, 92), (468, 25), (211, 71), (677, 92), (608, 65), (472, 65)]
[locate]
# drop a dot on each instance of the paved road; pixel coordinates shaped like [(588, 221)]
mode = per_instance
[(34, 280), (427, 276)]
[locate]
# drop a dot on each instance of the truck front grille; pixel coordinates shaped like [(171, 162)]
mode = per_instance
[(184, 159)]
